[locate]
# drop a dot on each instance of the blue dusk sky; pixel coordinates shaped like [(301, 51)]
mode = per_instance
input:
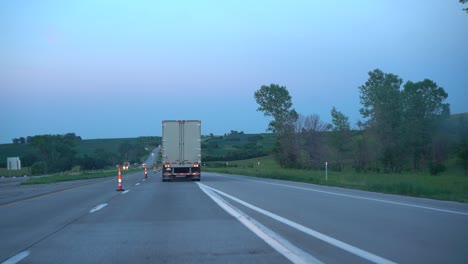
[(115, 69)]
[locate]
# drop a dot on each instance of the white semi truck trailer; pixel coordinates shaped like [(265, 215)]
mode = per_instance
[(181, 149)]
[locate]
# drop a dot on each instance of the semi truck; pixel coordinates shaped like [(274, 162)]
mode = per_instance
[(181, 149)]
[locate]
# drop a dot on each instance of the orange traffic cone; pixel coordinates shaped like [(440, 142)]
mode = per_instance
[(119, 187)]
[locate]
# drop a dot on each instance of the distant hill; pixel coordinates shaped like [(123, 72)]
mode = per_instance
[(237, 146), (82, 147), (226, 147), (110, 145)]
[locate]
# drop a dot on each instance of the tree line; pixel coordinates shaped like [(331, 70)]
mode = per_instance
[(29, 139), (241, 151), (404, 127), (58, 153)]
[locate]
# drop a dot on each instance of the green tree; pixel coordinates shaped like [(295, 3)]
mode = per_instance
[(462, 155), (424, 110), (275, 101), (28, 159), (125, 150), (464, 2), (310, 141), (132, 152), (462, 146), (57, 151), (341, 135), (39, 168), (381, 100), (71, 136)]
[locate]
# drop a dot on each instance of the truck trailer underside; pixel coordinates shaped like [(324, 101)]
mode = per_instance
[(191, 172)]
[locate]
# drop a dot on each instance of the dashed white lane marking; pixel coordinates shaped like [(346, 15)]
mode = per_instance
[(284, 247), (17, 258), (97, 208), (125, 191), (355, 196), (137, 184), (337, 243)]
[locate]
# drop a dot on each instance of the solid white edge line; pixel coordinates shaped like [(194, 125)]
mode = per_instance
[(355, 196), (17, 258), (97, 208), (337, 243), (278, 243)]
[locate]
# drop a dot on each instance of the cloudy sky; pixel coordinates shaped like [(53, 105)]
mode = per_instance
[(113, 69)]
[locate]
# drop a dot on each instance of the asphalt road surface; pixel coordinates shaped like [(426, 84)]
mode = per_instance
[(152, 158), (225, 219)]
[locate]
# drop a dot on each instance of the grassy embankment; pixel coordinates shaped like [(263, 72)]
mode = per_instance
[(450, 185), (15, 173)]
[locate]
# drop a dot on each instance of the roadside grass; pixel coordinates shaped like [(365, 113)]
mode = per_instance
[(4, 172), (450, 185), (73, 176)]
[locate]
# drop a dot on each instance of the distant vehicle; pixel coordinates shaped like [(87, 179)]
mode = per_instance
[(181, 149), (126, 165)]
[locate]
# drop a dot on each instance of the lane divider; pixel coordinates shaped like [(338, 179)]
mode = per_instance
[(332, 241), (97, 208), (17, 258), (284, 247)]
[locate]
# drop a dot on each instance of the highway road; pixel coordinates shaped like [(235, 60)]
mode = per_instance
[(225, 219), (152, 158)]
